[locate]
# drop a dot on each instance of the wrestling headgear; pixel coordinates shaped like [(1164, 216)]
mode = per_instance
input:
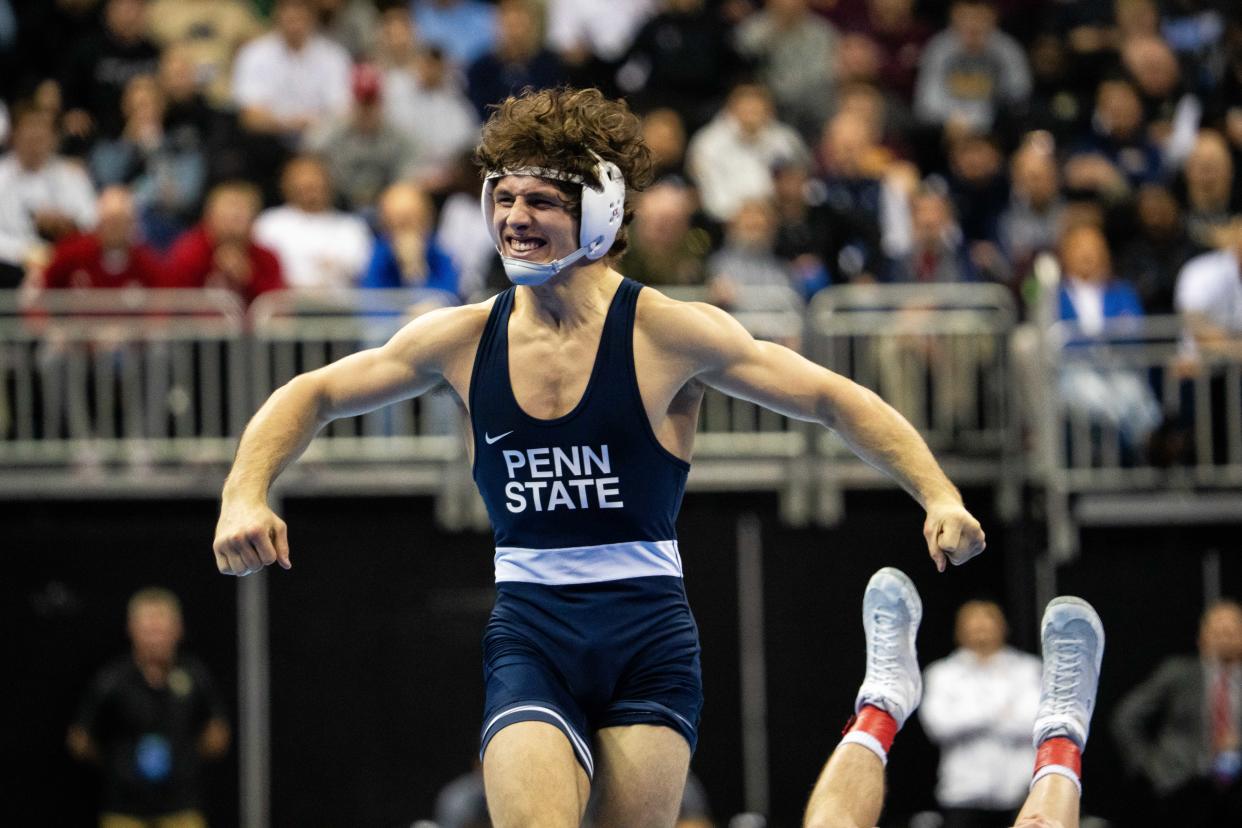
[(603, 207)]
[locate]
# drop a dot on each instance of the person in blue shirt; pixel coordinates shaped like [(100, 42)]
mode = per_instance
[(582, 390), (405, 253), (464, 29)]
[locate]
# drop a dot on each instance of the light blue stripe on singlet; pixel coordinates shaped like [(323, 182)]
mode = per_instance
[(588, 564)]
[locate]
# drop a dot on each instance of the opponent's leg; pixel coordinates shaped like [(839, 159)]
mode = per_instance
[(850, 791), (533, 779), (1073, 645), (640, 776)]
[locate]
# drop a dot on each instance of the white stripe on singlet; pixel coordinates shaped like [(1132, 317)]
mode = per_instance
[(588, 564)]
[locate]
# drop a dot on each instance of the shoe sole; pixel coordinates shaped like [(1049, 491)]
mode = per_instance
[(908, 591), (1083, 611)]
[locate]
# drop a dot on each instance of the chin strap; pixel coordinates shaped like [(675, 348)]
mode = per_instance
[(532, 274)]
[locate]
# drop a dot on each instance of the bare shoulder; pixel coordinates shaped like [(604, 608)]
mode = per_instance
[(444, 332), (697, 330)]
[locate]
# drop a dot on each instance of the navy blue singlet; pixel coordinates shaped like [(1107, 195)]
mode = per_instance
[(591, 627)]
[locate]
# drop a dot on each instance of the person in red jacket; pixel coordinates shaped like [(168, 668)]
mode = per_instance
[(219, 251), (108, 257)]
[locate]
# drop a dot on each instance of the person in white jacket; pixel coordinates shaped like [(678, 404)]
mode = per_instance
[(978, 706)]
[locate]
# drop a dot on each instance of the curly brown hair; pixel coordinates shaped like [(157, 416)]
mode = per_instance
[(559, 128)]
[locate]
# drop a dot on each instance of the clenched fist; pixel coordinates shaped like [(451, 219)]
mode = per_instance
[(248, 538), (952, 534)]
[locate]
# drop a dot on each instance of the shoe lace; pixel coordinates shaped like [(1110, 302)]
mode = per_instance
[(1066, 674), (884, 645)]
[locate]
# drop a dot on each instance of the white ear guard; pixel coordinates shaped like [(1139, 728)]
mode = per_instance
[(603, 208)]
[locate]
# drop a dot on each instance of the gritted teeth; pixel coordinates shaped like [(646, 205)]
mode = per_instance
[(525, 245)]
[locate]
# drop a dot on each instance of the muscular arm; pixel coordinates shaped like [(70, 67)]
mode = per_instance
[(726, 357), (249, 536)]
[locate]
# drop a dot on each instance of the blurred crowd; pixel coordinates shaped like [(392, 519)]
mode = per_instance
[(259, 144)]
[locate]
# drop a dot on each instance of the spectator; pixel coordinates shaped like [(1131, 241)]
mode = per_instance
[(731, 158), (395, 46), (210, 32), (426, 102), (517, 61), (1226, 106), (978, 186), (149, 721), (1154, 253), (1197, 31), (821, 242), (291, 78), (888, 120), (1135, 18), (861, 181), (1031, 222), (979, 705), (1208, 293), (1180, 728), (745, 274), (898, 36), (110, 256), (220, 252), (664, 133), (351, 23), (465, 239), (683, 60), (167, 175), (1089, 30), (43, 197), (971, 74), (937, 254), (1171, 115), (101, 65), (665, 247), (463, 30), (363, 150), (795, 52), (405, 253), (1116, 155), (191, 123), (591, 37), (1057, 104), (318, 246), (1209, 174), (1093, 298)]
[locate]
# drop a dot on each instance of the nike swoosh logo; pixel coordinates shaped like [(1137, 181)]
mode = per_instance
[(498, 437)]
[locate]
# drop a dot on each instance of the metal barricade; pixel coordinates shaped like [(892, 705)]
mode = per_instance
[(413, 446), (1138, 428), (139, 378), (938, 354)]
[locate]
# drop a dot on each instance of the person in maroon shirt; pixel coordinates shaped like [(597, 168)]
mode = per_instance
[(891, 25), (220, 253), (110, 256)]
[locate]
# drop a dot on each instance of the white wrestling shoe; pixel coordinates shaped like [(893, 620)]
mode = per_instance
[(1073, 645), (892, 611)]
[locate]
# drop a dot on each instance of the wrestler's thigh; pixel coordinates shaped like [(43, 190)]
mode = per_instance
[(533, 779), (640, 776), (1038, 822)]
